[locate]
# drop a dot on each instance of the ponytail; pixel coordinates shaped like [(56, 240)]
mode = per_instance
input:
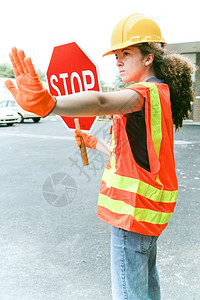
[(176, 71)]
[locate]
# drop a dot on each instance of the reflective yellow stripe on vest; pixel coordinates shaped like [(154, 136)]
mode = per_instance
[(113, 155), (137, 186), (139, 214), (156, 129)]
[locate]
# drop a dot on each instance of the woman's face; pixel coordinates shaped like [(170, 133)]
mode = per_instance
[(131, 64)]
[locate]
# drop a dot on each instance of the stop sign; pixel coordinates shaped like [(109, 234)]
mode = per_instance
[(70, 71)]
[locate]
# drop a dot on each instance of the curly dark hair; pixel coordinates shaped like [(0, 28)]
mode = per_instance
[(176, 71)]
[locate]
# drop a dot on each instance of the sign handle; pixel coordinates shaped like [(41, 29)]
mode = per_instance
[(82, 146)]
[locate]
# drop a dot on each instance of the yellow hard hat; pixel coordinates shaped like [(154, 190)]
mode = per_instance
[(132, 30)]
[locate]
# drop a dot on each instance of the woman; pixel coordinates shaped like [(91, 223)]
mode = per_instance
[(139, 186)]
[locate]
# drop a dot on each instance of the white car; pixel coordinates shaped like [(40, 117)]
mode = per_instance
[(8, 116), (22, 114)]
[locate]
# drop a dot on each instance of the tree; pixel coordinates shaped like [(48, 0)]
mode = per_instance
[(41, 75), (117, 85), (105, 87), (6, 71)]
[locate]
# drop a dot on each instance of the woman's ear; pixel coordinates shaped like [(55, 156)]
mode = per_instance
[(148, 60)]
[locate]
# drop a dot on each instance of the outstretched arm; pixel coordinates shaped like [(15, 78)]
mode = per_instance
[(32, 97), (92, 103)]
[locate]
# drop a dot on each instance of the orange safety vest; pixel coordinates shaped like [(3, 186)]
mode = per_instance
[(130, 197)]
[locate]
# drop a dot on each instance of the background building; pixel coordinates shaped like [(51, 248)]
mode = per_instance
[(192, 51)]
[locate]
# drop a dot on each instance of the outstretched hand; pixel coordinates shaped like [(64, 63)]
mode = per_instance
[(29, 93)]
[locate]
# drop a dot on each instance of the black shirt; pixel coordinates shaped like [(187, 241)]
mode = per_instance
[(136, 131)]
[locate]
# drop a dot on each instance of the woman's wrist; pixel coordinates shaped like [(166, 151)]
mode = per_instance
[(103, 147)]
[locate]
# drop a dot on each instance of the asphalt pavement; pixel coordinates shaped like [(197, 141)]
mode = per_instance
[(52, 244)]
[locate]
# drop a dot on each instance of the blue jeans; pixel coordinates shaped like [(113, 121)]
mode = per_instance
[(133, 266)]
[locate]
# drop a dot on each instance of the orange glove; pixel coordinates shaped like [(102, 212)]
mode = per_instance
[(30, 95), (90, 141)]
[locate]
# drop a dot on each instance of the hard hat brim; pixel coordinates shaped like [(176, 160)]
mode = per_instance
[(128, 44)]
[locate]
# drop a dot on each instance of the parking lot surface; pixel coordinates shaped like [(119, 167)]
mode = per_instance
[(52, 244)]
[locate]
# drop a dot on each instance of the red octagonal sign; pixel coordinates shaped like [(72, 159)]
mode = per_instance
[(70, 71)]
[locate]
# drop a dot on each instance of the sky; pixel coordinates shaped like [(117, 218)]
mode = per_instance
[(37, 26)]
